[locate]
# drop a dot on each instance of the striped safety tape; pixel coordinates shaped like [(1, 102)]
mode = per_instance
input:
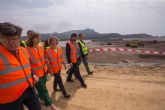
[(126, 50)]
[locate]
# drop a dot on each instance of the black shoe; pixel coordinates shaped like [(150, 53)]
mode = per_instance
[(84, 85), (70, 80), (67, 96), (90, 73)]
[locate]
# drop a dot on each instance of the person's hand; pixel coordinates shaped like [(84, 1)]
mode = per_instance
[(65, 66), (70, 65), (46, 61), (48, 77), (51, 73), (35, 78)]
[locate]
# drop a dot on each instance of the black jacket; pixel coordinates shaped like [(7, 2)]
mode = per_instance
[(68, 50)]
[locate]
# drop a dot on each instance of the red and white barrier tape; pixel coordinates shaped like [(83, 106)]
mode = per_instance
[(127, 50)]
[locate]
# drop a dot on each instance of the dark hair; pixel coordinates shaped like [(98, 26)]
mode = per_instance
[(30, 42), (46, 44), (19, 30), (79, 35), (9, 29), (73, 34), (29, 31)]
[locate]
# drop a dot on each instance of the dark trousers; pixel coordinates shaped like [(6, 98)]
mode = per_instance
[(29, 98), (76, 71), (58, 80), (85, 62)]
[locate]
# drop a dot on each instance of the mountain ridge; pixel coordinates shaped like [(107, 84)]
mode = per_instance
[(92, 34)]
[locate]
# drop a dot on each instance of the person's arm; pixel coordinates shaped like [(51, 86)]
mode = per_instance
[(48, 64), (62, 59), (33, 73), (34, 76), (68, 50)]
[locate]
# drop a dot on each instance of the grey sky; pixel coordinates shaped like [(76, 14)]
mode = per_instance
[(104, 16)]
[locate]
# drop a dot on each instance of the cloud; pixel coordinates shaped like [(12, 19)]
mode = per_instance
[(122, 16), (25, 4)]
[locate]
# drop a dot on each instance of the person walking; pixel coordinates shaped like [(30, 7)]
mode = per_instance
[(84, 52), (73, 58), (16, 78), (39, 67), (24, 43), (54, 55)]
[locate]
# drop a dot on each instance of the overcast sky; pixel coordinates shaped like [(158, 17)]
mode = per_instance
[(104, 16)]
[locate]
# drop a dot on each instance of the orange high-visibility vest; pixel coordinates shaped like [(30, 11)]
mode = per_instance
[(73, 53), (55, 59), (15, 75), (37, 60)]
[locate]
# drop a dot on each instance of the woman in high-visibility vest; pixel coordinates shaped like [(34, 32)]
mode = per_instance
[(39, 67), (54, 55), (16, 80)]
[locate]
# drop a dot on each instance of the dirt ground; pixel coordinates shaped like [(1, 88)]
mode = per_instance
[(122, 87), (114, 88), (126, 57)]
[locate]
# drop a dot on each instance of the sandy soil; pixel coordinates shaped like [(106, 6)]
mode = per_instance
[(126, 57), (115, 88)]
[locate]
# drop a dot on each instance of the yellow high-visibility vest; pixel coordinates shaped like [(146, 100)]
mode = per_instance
[(85, 49)]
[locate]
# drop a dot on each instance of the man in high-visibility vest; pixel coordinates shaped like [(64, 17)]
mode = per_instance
[(16, 78), (73, 58), (24, 43), (84, 52)]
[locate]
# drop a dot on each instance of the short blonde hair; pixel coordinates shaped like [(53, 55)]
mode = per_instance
[(51, 38)]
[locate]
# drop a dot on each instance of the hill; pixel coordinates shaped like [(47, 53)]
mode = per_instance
[(92, 34)]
